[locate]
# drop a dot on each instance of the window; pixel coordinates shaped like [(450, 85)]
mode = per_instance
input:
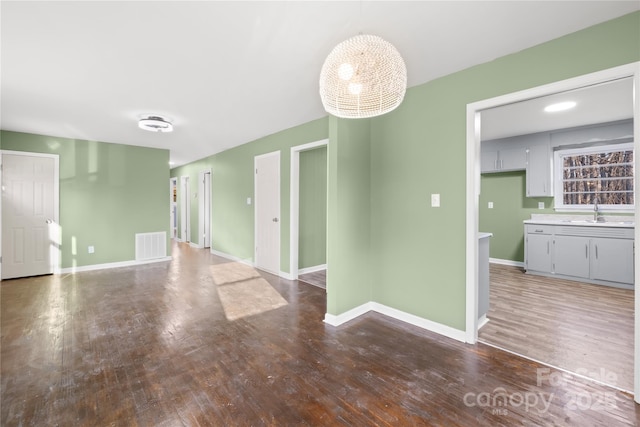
[(602, 175)]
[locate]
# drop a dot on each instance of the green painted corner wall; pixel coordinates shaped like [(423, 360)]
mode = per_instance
[(418, 252), (312, 245), (232, 182), (349, 221), (108, 193), (510, 208)]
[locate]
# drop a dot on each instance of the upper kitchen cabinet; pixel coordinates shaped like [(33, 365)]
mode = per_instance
[(539, 176), (502, 156)]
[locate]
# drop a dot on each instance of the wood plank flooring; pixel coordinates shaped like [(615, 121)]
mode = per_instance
[(584, 328), (152, 346)]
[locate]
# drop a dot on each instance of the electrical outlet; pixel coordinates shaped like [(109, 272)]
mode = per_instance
[(490, 205), (435, 200), (91, 249), (248, 200), (540, 205)]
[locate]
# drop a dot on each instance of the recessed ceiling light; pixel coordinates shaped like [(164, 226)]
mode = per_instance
[(155, 124), (560, 106)]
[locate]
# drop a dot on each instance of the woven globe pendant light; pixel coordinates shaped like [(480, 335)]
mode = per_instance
[(363, 76)]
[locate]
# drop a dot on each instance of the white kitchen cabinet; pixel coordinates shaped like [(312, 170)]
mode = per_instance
[(612, 259), (504, 159), (597, 253), (571, 256), (538, 241), (538, 176)]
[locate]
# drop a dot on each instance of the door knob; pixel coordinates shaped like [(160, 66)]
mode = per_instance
[(49, 221), (275, 219)]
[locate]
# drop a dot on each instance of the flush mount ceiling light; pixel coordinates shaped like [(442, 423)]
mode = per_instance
[(363, 76), (560, 106), (155, 124)]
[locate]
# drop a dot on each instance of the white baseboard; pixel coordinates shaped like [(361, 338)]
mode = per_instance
[(345, 317), (72, 270), (285, 275), (506, 262), (313, 269), (420, 322), (195, 245), (482, 321)]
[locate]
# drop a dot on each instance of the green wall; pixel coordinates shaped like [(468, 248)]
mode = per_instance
[(312, 245), (349, 223), (232, 180), (510, 207), (108, 193), (418, 252)]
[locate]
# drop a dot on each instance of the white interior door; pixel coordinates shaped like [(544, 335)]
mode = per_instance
[(185, 210), (29, 215), (267, 212), (205, 209)]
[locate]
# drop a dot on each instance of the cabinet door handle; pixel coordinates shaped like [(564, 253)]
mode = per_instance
[(495, 164), (547, 247), (596, 251), (586, 251), (539, 230)]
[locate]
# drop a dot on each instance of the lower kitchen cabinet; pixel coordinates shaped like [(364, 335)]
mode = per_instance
[(571, 256), (596, 254), (612, 259)]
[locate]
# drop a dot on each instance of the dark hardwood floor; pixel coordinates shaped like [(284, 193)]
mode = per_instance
[(580, 327), (152, 346)]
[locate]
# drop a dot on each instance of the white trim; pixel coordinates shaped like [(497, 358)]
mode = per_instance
[(483, 321), (285, 275), (340, 319), (56, 255), (230, 257), (473, 184), (420, 322), (185, 208), (73, 270), (506, 262), (294, 203), (196, 245), (312, 269)]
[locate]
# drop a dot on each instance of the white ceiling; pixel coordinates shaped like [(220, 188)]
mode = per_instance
[(227, 73), (601, 103)]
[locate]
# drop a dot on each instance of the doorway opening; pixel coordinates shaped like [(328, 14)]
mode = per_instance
[(185, 209), (474, 128), (173, 207), (308, 230)]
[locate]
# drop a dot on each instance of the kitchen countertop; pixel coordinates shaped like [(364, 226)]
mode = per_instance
[(583, 220)]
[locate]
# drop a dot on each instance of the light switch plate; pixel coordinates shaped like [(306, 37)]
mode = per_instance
[(91, 249), (490, 205), (248, 200), (435, 200)]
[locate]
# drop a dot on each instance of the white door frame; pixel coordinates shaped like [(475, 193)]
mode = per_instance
[(185, 209), (473, 186), (55, 232), (204, 208), (294, 203), (255, 209)]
